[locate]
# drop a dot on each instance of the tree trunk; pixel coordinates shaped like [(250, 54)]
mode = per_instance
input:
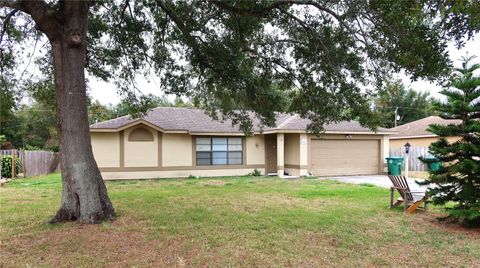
[(84, 195)]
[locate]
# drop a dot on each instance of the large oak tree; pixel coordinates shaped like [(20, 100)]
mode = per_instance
[(230, 57)]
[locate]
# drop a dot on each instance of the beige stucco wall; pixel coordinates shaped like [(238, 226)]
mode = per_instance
[(141, 153), (385, 152), (177, 158), (280, 154), (303, 149), (255, 150), (177, 150), (417, 142), (303, 171), (178, 173), (106, 149), (292, 149), (296, 154)]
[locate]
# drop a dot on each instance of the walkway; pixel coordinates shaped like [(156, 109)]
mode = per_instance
[(378, 180)]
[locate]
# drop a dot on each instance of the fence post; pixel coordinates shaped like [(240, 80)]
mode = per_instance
[(24, 171), (13, 164)]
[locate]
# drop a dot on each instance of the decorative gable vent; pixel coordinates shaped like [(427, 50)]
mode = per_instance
[(140, 134)]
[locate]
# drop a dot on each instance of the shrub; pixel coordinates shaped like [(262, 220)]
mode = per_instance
[(256, 173), (7, 166)]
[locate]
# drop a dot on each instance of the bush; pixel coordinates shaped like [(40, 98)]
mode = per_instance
[(32, 148), (7, 166), (256, 173)]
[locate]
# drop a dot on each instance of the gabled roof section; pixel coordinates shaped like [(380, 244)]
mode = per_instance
[(418, 128), (192, 120)]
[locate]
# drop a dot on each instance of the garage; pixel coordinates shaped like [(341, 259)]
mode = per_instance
[(344, 157)]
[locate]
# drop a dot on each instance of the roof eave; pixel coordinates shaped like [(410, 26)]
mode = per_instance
[(135, 123), (330, 132), (414, 137)]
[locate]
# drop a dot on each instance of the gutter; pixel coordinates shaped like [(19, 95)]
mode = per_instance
[(414, 137)]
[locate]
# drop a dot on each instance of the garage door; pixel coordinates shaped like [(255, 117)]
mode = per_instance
[(345, 157)]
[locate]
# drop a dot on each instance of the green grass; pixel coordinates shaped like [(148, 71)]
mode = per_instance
[(242, 221)]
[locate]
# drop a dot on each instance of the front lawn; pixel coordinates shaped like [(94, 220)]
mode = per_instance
[(246, 221)]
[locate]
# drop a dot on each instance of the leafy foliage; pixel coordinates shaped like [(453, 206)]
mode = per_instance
[(458, 180), (410, 104), (256, 173), (314, 58), (33, 126), (98, 112), (8, 99), (7, 166)]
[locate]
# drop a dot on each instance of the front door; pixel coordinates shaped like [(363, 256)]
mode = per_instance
[(271, 151)]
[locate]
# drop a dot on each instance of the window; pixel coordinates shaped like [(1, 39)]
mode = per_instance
[(219, 151)]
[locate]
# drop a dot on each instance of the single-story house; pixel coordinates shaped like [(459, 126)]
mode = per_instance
[(177, 142), (416, 132)]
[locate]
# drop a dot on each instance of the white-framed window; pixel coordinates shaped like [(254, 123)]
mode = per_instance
[(219, 151)]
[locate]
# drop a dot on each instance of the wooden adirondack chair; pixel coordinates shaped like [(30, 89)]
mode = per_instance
[(411, 200)]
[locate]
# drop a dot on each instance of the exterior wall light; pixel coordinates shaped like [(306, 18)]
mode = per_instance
[(407, 147)]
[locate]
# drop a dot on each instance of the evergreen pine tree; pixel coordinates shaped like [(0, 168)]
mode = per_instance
[(458, 180)]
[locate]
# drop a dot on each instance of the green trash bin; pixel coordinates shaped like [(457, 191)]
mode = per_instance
[(433, 163), (394, 164)]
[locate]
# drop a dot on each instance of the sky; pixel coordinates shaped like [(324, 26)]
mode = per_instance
[(106, 93), (472, 47)]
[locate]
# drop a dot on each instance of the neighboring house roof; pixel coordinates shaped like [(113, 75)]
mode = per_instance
[(418, 129), (193, 120)]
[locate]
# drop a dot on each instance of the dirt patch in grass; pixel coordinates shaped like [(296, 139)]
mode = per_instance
[(213, 183), (112, 245), (448, 225), (254, 202)]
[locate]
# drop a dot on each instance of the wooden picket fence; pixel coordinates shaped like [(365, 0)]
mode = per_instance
[(35, 163), (414, 164)]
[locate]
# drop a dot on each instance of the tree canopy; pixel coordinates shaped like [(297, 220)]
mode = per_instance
[(234, 56), (32, 125), (410, 105)]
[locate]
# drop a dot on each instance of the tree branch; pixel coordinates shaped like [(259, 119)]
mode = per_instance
[(277, 4), (6, 21), (262, 12), (181, 26), (11, 4), (191, 41), (250, 12), (41, 12)]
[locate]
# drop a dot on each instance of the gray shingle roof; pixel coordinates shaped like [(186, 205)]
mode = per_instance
[(419, 127), (196, 120)]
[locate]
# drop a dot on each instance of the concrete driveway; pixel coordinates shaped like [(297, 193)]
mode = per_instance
[(378, 180)]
